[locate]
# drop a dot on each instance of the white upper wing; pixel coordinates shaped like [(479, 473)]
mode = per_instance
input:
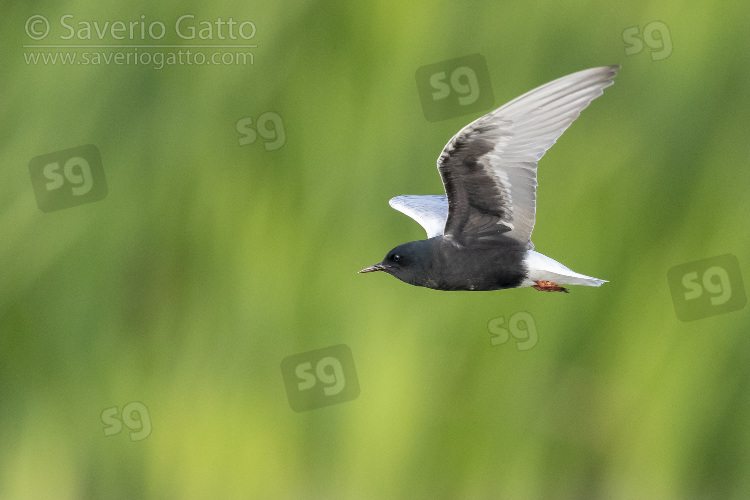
[(429, 211)]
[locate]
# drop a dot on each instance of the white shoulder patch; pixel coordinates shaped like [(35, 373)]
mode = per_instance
[(430, 211)]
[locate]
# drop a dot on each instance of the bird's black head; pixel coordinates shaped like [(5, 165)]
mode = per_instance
[(407, 262)]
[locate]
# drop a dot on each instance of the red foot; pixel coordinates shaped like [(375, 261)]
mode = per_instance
[(548, 286)]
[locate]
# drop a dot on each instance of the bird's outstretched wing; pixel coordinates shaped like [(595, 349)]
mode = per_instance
[(489, 167), (430, 211)]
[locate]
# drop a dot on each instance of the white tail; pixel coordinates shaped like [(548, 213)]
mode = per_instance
[(542, 268)]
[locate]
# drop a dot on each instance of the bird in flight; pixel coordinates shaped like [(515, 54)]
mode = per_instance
[(479, 232)]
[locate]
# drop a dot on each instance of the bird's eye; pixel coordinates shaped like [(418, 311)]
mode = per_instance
[(396, 257)]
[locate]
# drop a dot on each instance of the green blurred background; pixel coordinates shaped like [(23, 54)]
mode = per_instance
[(209, 262)]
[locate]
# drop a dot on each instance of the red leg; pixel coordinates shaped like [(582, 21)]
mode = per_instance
[(548, 286)]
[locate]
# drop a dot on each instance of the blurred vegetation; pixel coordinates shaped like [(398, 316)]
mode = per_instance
[(209, 262)]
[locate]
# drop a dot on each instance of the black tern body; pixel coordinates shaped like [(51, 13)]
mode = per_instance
[(479, 232)]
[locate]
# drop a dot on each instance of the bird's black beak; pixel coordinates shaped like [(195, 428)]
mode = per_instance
[(372, 269)]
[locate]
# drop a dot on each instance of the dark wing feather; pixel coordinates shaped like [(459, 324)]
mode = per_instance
[(489, 167)]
